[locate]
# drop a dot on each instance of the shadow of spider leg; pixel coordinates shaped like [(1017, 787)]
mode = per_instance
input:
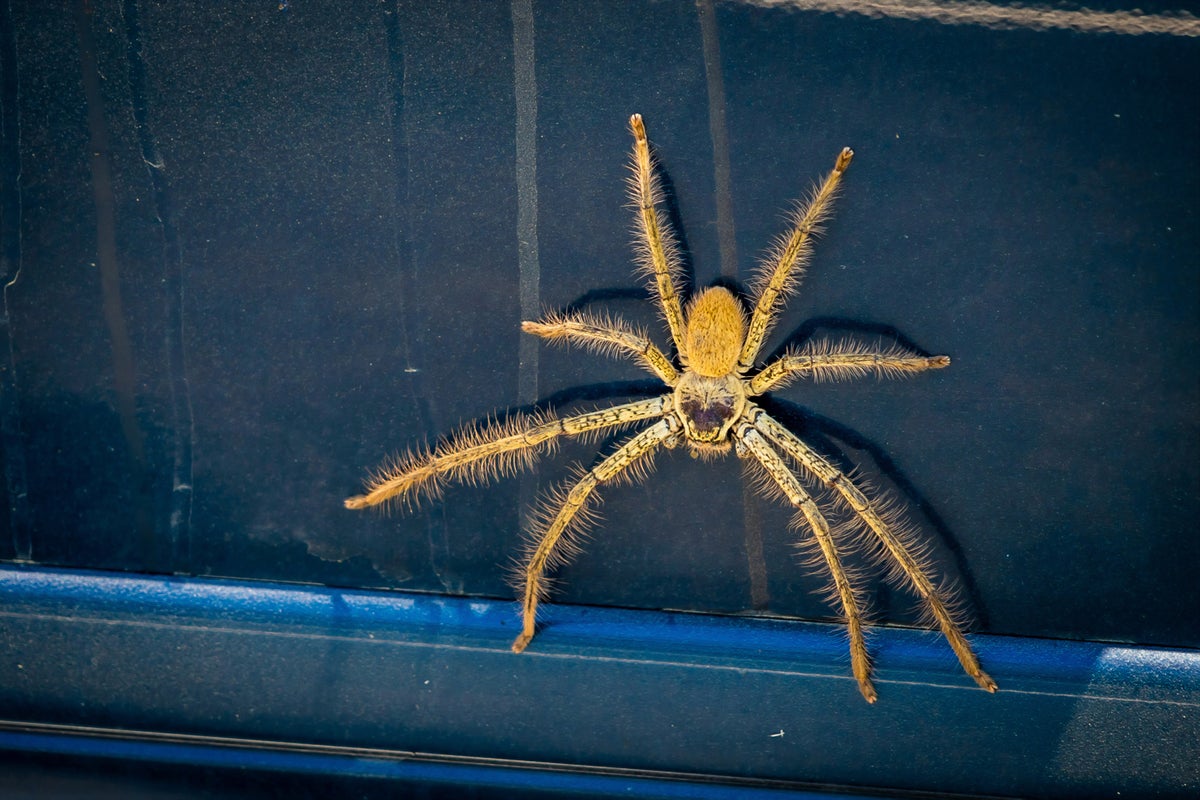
[(789, 256)]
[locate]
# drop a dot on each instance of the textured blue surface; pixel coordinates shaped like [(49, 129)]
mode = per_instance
[(257, 674), (512, 780)]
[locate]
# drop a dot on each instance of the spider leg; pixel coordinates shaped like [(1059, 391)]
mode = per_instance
[(542, 552), (778, 471), (605, 335), (827, 361), (791, 253), (475, 454), (656, 242), (909, 564)]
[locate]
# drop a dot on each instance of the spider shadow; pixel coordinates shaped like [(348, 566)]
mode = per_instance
[(669, 202), (850, 327), (828, 436), (602, 295), (820, 431), (686, 272), (611, 390), (831, 438)]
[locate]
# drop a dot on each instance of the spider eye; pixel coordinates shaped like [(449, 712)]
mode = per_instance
[(708, 418)]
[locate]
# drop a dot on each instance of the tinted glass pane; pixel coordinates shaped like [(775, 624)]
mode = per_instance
[(252, 250)]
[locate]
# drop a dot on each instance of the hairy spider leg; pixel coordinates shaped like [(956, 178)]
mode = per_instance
[(658, 254), (775, 467), (570, 505), (822, 361), (475, 454), (605, 335), (789, 258), (908, 563)]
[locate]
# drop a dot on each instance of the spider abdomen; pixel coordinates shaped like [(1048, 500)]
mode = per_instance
[(716, 329)]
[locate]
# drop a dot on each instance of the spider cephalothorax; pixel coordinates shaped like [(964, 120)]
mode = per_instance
[(710, 395), (710, 409)]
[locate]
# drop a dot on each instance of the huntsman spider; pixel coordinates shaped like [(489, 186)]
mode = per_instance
[(710, 410)]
